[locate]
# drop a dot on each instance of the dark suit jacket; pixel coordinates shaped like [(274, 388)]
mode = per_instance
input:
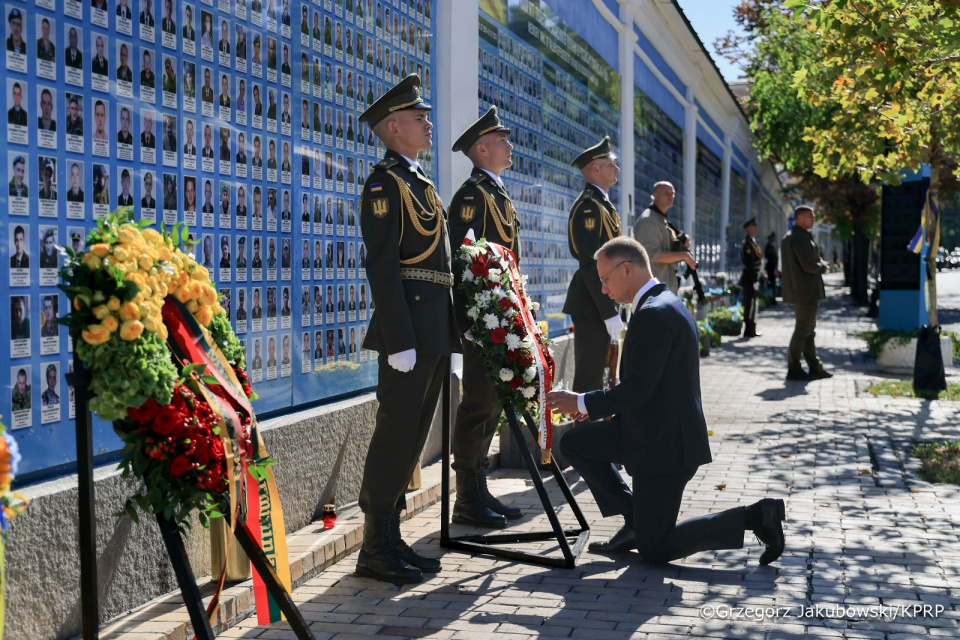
[(752, 258), (587, 232), (411, 314), (802, 267), (657, 402)]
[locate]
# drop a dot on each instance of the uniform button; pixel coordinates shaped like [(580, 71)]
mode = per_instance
[(416, 297)]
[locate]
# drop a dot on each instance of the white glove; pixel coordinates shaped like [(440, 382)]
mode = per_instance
[(404, 361), (614, 325), (756, 286)]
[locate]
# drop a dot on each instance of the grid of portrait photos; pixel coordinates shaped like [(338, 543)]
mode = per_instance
[(554, 117), (236, 117)]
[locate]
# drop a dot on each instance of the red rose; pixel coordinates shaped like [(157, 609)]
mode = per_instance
[(167, 421), (216, 449), (146, 412), (180, 465), (479, 270), (526, 358), (491, 284), (498, 335), (505, 304), (517, 382), (511, 355)]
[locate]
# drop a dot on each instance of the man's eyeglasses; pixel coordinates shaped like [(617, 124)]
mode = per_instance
[(604, 279)]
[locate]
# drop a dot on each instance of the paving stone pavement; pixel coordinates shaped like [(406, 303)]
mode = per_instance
[(868, 545)]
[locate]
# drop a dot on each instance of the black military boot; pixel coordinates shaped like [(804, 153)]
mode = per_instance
[(406, 552), (493, 503), (379, 560), (469, 507)]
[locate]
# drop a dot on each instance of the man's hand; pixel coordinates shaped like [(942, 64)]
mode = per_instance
[(614, 326), (404, 361), (756, 286), (563, 402)]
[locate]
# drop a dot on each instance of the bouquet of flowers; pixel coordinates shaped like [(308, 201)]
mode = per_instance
[(11, 503), (512, 344), (120, 290)]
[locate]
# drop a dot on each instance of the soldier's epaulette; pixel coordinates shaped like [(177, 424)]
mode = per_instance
[(474, 179), (387, 163)]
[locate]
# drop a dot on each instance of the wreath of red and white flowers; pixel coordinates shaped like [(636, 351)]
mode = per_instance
[(511, 341)]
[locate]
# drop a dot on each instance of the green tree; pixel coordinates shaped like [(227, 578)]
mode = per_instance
[(889, 77), (773, 48)]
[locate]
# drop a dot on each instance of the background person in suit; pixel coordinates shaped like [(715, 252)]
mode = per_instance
[(752, 259), (657, 432), (802, 272), (413, 330), (593, 221), (481, 205), (772, 260)]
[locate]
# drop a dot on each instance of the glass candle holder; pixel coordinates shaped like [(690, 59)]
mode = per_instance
[(329, 516)]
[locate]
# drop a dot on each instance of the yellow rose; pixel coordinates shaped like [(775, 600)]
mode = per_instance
[(200, 274), (192, 306), (95, 334), (182, 294), (120, 254), (151, 236), (101, 250), (91, 261), (204, 316), (162, 332), (129, 311), (152, 323), (196, 290), (164, 254), (145, 262), (110, 323), (101, 311), (113, 303), (131, 330), (208, 295), (128, 234)]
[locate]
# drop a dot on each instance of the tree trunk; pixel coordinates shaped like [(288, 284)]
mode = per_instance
[(847, 264), (861, 263), (932, 258)]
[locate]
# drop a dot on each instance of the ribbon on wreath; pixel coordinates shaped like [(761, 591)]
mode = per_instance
[(256, 508), (546, 368)]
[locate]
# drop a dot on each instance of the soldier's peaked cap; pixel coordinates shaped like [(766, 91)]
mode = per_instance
[(750, 222), (405, 95), (487, 123), (600, 150)]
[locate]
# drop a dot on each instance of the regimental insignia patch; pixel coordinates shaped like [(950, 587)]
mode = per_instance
[(380, 207), (589, 224), (467, 212)]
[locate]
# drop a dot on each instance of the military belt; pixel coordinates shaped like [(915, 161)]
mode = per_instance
[(427, 275)]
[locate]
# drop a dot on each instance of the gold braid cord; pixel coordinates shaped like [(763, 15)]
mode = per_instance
[(417, 212), (609, 222), (504, 222)]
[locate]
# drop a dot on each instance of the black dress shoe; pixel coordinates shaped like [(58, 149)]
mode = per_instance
[(623, 541), (820, 374), (771, 531), (798, 374)]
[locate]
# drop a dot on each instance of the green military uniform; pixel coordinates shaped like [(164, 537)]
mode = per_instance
[(752, 258), (593, 221), (408, 265), (480, 204), (802, 284)]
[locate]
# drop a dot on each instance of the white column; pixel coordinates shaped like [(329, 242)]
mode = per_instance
[(690, 165), (456, 104), (725, 198), (627, 151)]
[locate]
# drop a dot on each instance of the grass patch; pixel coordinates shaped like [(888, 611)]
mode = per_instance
[(904, 389), (940, 461)]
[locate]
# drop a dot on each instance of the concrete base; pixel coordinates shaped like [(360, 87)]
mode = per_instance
[(899, 358)]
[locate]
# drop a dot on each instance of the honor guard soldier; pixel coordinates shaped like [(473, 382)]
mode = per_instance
[(752, 257), (413, 328), (483, 206), (593, 221)]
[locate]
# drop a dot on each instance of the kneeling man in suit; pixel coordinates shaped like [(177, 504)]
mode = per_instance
[(657, 430)]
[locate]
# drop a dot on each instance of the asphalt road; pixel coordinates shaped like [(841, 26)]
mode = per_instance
[(948, 296)]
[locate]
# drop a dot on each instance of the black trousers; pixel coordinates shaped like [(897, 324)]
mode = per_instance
[(749, 310), (590, 343), (477, 415), (593, 448), (408, 402)]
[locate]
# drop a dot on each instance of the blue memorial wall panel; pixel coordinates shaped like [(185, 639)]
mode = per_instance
[(658, 153), (708, 234), (236, 117), (557, 104)]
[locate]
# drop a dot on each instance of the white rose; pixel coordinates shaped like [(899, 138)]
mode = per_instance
[(513, 342), (530, 373), (500, 293), (506, 375), (528, 392), (473, 313), (527, 342), (534, 305), (491, 321), (493, 275), (513, 298)]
